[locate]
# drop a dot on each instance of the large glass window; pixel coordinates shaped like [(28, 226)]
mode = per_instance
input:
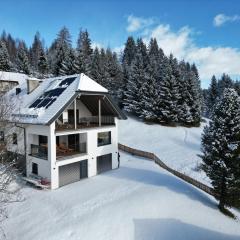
[(104, 138)]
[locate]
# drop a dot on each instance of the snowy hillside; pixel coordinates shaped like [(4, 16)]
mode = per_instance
[(178, 147), (138, 201)]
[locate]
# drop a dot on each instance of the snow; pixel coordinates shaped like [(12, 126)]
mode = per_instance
[(24, 114), (138, 201), (178, 147), (13, 76), (87, 84)]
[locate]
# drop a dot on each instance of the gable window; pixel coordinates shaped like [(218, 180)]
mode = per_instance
[(104, 138), (14, 138), (1, 136), (34, 168)]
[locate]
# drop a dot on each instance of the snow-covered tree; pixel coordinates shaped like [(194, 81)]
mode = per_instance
[(5, 64), (212, 95), (127, 58), (221, 149), (42, 63), (22, 58), (138, 75), (224, 82), (84, 53), (69, 65), (35, 51), (168, 93), (60, 51)]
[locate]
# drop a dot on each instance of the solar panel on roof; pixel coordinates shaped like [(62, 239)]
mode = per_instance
[(51, 102), (67, 81), (54, 92), (35, 103), (44, 103)]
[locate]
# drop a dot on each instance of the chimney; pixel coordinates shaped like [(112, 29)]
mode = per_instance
[(18, 90), (32, 83)]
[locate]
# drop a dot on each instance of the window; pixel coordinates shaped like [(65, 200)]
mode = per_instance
[(14, 138), (104, 138), (34, 168), (1, 136), (42, 140)]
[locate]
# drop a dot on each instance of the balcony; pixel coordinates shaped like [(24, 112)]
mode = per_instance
[(63, 151), (39, 151), (85, 122)]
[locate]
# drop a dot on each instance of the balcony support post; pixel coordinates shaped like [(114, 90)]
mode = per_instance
[(75, 114), (99, 113)]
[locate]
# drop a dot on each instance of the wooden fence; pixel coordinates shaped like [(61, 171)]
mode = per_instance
[(154, 158)]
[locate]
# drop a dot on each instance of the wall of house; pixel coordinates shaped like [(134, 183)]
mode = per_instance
[(93, 151), (49, 169), (83, 111), (8, 132), (44, 166)]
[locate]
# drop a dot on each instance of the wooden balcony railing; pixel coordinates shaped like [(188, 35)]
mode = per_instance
[(86, 122)]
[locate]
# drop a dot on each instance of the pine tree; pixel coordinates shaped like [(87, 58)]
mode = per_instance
[(221, 148), (196, 95), (224, 82), (42, 63), (5, 64), (113, 77), (22, 58), (84, 53), (68, 66), (168, 93), (138, 76), (35, 51), (129, 53), (184, 113), (96, 66), (150, 89), (60, 51), (212, 95)]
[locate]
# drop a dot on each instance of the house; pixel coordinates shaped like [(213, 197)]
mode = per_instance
[(10, 80), (66, 127)]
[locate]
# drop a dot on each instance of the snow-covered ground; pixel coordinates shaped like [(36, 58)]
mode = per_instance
[(138, 201), (178, 147)]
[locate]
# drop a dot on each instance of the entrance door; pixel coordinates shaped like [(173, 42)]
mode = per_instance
[(83, 169)]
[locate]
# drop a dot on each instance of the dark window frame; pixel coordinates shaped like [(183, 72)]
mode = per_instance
[(34, 168), (103, 142)]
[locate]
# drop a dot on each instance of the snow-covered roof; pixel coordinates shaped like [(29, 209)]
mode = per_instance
[(50, 97), (13, 77)]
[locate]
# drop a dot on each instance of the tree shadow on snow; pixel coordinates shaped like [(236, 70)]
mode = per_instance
[(169, 229), (160, 179)]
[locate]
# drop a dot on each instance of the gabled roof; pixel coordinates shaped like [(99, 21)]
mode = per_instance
[(13, 77), (51, 97)]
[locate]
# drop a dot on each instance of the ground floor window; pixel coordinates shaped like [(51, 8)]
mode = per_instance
[(104, 138), (34, 168)]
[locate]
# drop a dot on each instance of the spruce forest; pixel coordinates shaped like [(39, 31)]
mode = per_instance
[(142, 79)]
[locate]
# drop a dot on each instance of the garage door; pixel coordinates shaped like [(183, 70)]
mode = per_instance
[(69, 173), (104, 163)]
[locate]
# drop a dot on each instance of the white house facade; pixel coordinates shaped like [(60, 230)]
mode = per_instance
[(67, 128)]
